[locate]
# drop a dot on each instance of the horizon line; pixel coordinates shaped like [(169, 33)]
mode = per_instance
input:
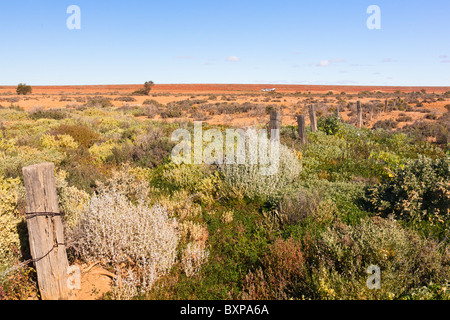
[(225, 84)]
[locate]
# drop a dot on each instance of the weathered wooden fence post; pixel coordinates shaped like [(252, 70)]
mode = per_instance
[(45, 230), (313, 118), (301, 129), (371, 112), (275, 124), (359, 112)]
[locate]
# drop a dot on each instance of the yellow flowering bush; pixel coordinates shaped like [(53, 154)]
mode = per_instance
[(60, 142), (11, 163), (11, 190), (72, 201), (199, 180), (100, 152)]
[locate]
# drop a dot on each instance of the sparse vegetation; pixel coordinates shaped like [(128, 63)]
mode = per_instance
[(145, 91), (23, 89), (348, 199)]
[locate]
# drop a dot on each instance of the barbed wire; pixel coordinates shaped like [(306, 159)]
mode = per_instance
[(21, 265)]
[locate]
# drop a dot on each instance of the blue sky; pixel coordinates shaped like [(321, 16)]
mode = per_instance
[(246, 41)]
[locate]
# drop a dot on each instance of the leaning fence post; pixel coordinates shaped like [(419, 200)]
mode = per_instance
[(313, 118), (359, 111), (45, 231), (301, 129), (275, 124)]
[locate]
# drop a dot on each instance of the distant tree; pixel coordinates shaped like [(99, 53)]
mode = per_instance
[(146, 91), (148, 86), (23, 89)]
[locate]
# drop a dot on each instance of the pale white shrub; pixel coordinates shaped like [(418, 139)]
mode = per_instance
[(248, 178), (194, 257), (116, 231), (126, 286)]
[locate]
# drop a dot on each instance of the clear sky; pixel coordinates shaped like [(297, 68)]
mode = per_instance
[(232, 41)]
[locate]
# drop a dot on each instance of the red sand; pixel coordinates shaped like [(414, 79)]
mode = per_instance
[(217, 88)]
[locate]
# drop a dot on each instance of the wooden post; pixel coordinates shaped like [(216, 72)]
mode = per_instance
[(301, 129), (46, 233), (337, 112), (275, 124), (313, 118), (359, 111), (371, 112)]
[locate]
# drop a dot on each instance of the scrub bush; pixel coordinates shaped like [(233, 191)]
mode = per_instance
[(418, 193), (117, 232), (249, 179), (342, 254)]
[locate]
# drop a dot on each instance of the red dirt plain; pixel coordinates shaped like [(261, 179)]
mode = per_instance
[(218, 88), (47, 97)]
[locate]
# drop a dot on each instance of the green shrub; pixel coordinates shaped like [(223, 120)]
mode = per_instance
[(149, 149), (171, 112), (329, 125), (125, 99), (98, 102), (16, 107), (333, 264), (152, 101), (296, 207), (23, 89), (340, 257), (388, 124), (404, 119), (418, 193), (423, 130), (56, 114)]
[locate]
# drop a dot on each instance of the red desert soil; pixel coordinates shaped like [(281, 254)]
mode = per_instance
[(45, 97), (95, 282), (218, 88)]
